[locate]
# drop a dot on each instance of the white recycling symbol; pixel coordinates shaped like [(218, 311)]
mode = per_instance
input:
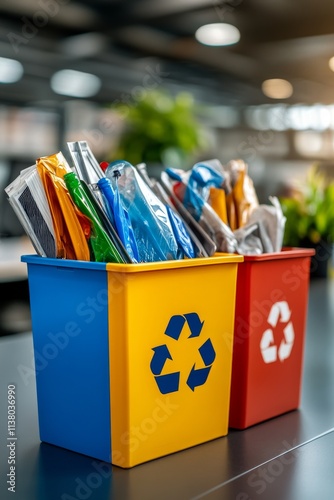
[(279, 312)]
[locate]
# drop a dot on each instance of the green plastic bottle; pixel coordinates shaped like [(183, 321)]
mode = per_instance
[(102, 246)]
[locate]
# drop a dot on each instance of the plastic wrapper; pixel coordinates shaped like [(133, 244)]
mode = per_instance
[(120, 217), (242, 199), (205, 246), (194, 185), (87, 167), (264, 231), (103, 248), (192, 188), (149, 218), (252, 239), (272, 220), (106, 221), (27, 197), (218, 203), (187, 238), (183, 234), (71, 227), (85, 164)]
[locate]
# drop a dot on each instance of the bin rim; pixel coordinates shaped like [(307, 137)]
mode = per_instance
[(138, 267), (285, 253), (175, 264), (47, 261)]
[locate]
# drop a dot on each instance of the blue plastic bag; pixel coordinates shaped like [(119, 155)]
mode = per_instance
[(192, 188), (183, 239), (198, 182), (120, 217), (149, 217)]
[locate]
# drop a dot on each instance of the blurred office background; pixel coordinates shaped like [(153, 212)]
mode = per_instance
[(67, 65)]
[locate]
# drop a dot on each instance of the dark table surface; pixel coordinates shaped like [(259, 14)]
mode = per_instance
[(287, 457)]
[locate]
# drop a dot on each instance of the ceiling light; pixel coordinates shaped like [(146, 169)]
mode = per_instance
[(331, 63), (10, 70), (218, 34), (75, 83), (277, 88)]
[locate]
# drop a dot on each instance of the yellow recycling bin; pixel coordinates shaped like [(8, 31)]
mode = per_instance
[(137, 357)]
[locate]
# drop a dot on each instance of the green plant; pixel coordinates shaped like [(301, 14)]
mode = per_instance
[(159, 128), (309, 211)]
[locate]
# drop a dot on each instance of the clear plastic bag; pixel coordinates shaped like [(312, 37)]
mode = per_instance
[(148, 215), (183, 234), (264, 231)]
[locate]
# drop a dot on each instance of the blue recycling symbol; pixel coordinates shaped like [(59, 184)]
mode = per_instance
[(198, 376)]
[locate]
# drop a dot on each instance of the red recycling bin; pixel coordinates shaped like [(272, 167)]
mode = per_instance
[(269, 334)]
